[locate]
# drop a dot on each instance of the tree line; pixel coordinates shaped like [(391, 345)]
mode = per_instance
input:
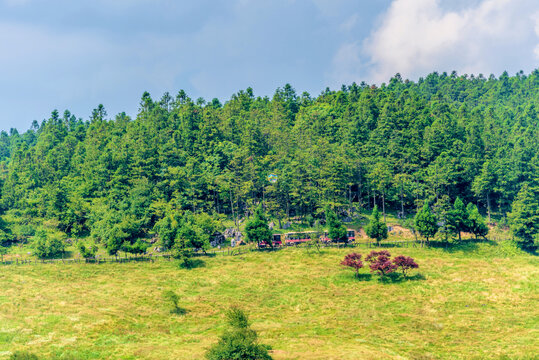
[(182, 165)]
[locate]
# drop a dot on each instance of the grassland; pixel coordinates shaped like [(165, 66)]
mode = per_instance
[(478, 301)]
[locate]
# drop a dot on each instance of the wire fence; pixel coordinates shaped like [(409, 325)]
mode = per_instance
[(241, 250)]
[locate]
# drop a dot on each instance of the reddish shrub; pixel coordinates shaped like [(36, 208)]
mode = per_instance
[(353, 260), (405, 263), (381, 262)]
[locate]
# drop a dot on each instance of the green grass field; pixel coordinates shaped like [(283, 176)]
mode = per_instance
[(478, 301)]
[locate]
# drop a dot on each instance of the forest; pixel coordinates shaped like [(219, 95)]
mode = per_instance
[(398, 146)]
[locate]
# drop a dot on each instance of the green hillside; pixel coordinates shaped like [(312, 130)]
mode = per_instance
[(472, 302)]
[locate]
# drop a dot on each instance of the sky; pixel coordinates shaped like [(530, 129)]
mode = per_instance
[(65, 54)]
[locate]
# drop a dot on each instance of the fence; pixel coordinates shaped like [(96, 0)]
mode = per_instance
[(238, 251)]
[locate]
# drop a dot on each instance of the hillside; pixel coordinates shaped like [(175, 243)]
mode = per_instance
[(477, 301), (398, 145)]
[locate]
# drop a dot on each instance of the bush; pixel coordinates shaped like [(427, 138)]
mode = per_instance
[(48, 246), (353, 260), (380, 262), (239, 342), (87, 252), (23, 355), (405, 263)]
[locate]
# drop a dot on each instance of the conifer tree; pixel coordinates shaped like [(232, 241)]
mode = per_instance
[(376, 229), (524, 217), (425, 222), (457, 221), (257, 229), (476, 223), (336, 230)]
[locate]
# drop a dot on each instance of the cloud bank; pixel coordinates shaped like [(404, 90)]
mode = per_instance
[(416, 37)]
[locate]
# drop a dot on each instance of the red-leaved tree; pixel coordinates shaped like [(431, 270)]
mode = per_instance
[(381, 262), (353, 260), (405, 263)]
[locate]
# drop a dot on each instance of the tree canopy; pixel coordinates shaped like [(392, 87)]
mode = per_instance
[(443, 137)]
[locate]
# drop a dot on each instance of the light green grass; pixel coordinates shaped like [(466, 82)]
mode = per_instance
[(478, 301)]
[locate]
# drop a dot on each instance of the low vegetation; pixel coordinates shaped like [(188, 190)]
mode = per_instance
[(472, 300), (239, 341)]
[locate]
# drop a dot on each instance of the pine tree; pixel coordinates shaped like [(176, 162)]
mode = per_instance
[(458, 218), (476, 223), (376, 229), (524, 217), (257, 229), (336, 230), (425, 222)]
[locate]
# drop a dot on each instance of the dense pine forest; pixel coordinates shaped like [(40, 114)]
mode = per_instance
[(397, 146)]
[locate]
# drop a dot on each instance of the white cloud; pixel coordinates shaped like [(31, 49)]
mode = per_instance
[(416, 37)]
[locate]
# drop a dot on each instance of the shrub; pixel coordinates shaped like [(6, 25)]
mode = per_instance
[(23, 355), (238, 342), (315, 240), (353, 260), (87, 252), (138, 247), (380, 262), (237, 318), (405, 263), (46, 246)]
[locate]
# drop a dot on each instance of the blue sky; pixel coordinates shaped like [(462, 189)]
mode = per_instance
[(75, 55)]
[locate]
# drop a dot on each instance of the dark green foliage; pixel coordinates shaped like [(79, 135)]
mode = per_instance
[(195, 230), (87, 252), (257, 229), (138, 247), (457, 221), (476, 222), (376, 229), (336, 230), (237, 318), (524, 217), (239, 342), (182, 251), (23, 355), (425, 222), (119, 179), (48, 245)]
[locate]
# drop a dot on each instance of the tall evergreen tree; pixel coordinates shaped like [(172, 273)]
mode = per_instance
[(425, 222), (257, 229), (376, 229), (524, 217)]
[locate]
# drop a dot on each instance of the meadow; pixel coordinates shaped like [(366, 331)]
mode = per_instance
[(477, 301)]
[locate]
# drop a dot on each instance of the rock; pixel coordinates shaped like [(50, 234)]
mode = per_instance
[(217, 240), (287, 225), (271, 225)]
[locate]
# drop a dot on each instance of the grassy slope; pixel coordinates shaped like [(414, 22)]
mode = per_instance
[(478, 303)]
